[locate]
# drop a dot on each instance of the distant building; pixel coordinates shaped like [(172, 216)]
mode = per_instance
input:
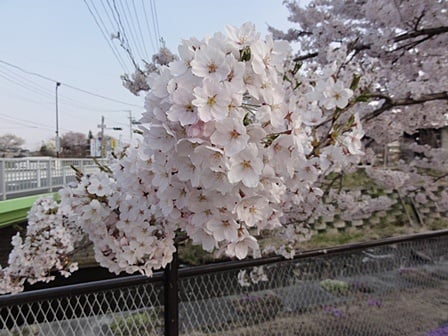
[(433, 137)]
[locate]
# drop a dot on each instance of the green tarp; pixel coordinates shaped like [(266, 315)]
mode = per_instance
[(16, 210)]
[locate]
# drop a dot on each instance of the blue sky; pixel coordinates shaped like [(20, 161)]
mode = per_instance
[(60, 40)]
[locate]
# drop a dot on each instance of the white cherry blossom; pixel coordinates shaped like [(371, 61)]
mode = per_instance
[(230, 146), (212, 101), (230, 135), (246, 167)]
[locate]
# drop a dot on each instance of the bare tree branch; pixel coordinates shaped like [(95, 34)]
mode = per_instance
[(422, 32), (426, 33), (305, 57), (390, 103)]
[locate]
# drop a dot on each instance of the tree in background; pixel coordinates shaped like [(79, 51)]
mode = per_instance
[(47, 149), (10, 143), (74, 145), (398, 50)]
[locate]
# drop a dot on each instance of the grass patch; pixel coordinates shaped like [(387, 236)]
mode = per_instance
[(438, 224), (358, 179), (325, 239)]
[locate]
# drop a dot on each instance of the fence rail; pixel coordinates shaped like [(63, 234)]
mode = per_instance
[(28, 176), (391, 287)]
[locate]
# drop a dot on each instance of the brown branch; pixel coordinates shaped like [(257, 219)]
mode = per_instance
[(422, 32), (440, 178), (390, 103), (305, 57), (418, 20), (428, 33)]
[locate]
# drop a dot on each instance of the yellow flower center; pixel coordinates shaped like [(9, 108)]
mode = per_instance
[(234, 134), (246, 164), (212, 68), (211, 101)]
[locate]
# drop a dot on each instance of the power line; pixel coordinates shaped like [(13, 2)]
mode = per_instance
[(68, 85), (131, 28), (128, 27), (113, 22), (126, 48), (22, 98), (155, 22), (111, 45), (29, 123), (35, 88), (140, 31), (24, 84), (21, 124), (149, 27), (23, 121), (123, 37), (68, 103), (99, 96)]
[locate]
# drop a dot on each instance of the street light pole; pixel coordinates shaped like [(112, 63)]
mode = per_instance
[(57, 143)]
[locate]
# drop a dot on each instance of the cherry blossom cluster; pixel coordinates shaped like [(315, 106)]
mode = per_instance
[(398, 48), (116, 215), (231, 138), (234, 137), (50, 239)]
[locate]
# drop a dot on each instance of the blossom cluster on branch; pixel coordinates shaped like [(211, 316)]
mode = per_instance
[(50, 239), (398, 49), (234, 136), (397, 46)]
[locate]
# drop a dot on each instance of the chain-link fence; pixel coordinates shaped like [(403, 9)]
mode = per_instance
[(393, 287), (111, 307)]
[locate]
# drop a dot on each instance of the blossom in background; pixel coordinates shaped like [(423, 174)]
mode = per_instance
[(335, 94)]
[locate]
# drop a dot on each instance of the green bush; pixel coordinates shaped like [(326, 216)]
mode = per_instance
[(335, 287)]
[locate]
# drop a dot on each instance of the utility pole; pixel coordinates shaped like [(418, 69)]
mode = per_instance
[(103, 138), (132, 122), (57, 141)]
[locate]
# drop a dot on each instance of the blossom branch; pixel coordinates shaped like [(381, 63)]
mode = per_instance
[(427, 33), (390, 103)]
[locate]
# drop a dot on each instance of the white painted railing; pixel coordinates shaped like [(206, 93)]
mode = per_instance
[(31, 175)]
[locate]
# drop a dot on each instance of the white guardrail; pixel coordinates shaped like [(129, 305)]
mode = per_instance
[(31, 175)]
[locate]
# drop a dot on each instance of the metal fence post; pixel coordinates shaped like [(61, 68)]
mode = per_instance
[(49, 177), (171, 304), (39, 183), (3, 178), (64, 177)]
